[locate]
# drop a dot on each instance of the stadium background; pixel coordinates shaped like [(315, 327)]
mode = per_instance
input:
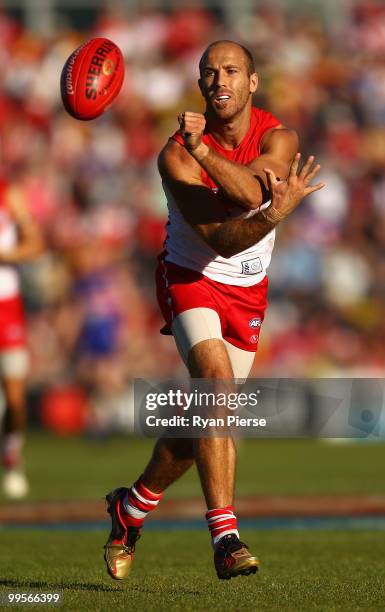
[(93, 321), (93, 187)]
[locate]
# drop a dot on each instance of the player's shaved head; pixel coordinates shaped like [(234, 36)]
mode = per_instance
[(249, 60)]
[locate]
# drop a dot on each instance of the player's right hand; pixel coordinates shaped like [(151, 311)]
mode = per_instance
[(192, 126), (286, 195)]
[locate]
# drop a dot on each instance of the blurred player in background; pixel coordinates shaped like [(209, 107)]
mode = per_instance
[(20, 241), (224, 174)]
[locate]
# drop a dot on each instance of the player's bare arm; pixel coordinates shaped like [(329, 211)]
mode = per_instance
[(245, 185), (205, 211), (30, 243), (237, 235)]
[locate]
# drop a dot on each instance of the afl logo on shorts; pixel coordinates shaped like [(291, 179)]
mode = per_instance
[(255, 323)]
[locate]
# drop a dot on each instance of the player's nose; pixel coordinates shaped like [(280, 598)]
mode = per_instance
[(221, 78)]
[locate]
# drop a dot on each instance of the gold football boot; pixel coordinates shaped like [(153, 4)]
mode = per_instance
[(232, 558), (120, 548)]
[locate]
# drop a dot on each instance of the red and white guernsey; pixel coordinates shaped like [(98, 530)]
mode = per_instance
[(183, 245), (9, 278)]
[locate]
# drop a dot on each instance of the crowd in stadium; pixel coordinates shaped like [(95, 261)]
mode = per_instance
[(94, 189)]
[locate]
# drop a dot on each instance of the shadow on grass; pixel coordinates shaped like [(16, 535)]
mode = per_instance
[(48, 585), (91, 586)]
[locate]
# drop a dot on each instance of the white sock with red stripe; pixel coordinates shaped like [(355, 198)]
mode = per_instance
[(12, 449), (221, 522), (138, 502)]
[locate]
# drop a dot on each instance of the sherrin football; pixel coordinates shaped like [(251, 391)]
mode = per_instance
[(92, 78)]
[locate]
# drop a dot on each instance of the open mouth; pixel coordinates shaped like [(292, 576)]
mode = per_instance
[(222, 98)]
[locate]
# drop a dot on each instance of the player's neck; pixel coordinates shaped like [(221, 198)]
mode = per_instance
[(229, 133)]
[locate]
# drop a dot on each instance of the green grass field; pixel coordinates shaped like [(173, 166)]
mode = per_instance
[(301, 569), (74, 468), (173, 571)]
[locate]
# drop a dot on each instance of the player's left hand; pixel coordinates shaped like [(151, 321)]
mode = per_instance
[(192, 126), (286, 195)]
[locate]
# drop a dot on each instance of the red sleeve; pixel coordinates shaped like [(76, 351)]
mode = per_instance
[(178, 137), (265, 121)]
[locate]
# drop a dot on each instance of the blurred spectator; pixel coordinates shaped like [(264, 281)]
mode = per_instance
[(94, 189)]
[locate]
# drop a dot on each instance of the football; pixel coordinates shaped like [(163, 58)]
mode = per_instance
[(92, 78)]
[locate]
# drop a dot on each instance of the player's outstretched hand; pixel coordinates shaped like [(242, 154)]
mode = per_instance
[(286, 195)]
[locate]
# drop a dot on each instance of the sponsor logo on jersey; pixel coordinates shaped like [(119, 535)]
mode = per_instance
[(254, 338), (256, 322), (251, 266)]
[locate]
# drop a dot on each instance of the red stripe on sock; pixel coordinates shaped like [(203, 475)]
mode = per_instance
[(219, 511), (144, 506), (226, 520), (134, 501), (217, 530), (146, 493), (130, 521)]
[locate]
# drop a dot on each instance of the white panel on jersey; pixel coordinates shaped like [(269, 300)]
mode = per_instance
[(185, 248)]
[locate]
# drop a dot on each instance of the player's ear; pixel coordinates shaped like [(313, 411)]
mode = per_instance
[(200, 85), (253, 82)]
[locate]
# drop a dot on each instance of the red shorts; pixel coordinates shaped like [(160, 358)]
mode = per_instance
[(241, 310), (12, 324)]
